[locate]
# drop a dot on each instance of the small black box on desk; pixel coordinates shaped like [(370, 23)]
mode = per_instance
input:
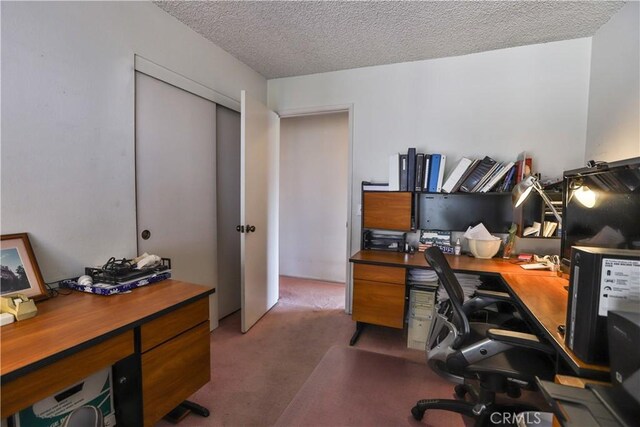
[(384, 240)]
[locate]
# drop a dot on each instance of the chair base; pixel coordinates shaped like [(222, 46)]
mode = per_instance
[(461, 407), (461, 390), (484, 415)]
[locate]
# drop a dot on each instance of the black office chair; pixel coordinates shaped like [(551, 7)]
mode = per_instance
[(503, 361), (495, 307)]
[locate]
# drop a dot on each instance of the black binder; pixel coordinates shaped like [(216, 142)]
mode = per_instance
[(426, 169), (411, 169), (403, 172), (419, 171)]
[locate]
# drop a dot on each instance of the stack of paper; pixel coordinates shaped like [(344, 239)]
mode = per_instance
[(479, 232), (423, 277), (469, 283)]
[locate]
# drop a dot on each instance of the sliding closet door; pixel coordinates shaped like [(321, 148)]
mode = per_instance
[(176, 180), (228, 179)]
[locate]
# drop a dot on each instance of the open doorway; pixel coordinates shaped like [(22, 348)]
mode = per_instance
[(314, 183)]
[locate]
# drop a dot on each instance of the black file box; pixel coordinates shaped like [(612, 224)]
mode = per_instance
[(601, 279)]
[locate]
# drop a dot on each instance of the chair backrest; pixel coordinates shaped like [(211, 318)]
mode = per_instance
[(454, 314)]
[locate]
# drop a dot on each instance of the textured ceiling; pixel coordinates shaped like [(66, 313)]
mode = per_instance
[(290, 38)]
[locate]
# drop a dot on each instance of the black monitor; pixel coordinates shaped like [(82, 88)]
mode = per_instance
[(601, 207)]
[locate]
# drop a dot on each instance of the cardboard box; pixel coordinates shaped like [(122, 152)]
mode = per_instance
[(96, 390)]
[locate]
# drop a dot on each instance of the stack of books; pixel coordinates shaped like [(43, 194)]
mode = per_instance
[(533, 230), (480, 176), (422, 172), (524, 166), (548, 228), (415, 171), (469, 283)]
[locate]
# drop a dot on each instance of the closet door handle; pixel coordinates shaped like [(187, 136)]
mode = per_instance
[(240, 228), (251, 228)]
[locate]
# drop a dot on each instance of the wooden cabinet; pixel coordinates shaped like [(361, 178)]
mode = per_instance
[(175, 358), (378, 295), (387, 210)]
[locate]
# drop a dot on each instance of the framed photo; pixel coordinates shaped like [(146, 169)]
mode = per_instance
[(19, 269)]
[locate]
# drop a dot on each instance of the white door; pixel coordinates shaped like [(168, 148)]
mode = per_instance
[(176, 180), (259, 162)]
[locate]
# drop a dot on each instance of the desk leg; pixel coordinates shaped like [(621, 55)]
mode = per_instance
[(185, 408), (195, 408), (356, 334)]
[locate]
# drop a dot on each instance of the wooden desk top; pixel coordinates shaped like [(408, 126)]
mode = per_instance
[(78, 320), (541, 293), (461, 263), (545, 300)]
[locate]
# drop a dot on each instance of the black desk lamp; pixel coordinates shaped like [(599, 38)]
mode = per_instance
[(523, 189)]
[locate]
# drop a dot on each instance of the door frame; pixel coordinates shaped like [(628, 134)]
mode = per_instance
[(329, 109), (168, 76)]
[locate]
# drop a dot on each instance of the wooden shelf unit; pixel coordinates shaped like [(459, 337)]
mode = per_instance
[(388, 210)]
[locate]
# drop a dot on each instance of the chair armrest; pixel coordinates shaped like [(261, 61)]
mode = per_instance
[(498, 296), (519, 339), (481, 299)]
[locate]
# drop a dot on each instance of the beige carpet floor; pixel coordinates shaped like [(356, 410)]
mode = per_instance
[(255, 376), (353, 387)]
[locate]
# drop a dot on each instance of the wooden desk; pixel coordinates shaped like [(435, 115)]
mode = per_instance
[(540, 293), (156, 338), (545, 300)]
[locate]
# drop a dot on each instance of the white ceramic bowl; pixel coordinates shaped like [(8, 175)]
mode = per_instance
[(484, 249)]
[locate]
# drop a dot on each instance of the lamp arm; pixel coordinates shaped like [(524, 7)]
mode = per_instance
[(547, 201)]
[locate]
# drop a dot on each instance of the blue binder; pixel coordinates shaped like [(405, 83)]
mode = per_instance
[(434, 167)]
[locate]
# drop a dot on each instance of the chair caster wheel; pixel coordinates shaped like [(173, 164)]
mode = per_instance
[(417, 413), (460, 391), (514, 393)]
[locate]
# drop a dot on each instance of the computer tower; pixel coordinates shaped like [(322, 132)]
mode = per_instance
[(624, 336), (421, 309), (601, 280)]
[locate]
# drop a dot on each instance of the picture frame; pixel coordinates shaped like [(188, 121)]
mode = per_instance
[(19, 269)]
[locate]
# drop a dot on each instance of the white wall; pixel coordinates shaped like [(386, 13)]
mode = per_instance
[(68, 120), (613, 129), (313, 196), (496, 103)]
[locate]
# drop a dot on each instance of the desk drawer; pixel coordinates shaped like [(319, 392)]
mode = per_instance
[(378, 303), (377, 273), (168, 326), (173, 371)]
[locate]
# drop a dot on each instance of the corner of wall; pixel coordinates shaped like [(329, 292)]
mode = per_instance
[(613, 119)]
